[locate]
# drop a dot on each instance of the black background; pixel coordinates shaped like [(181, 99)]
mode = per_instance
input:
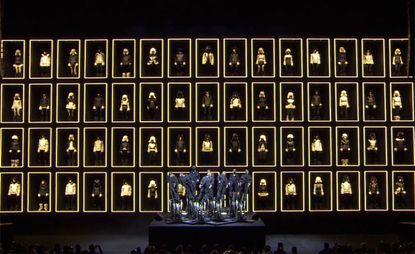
[(81, 18)]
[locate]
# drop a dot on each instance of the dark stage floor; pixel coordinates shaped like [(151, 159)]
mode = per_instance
[(124, 243), (121, 235)]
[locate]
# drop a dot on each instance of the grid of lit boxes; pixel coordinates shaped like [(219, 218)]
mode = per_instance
[(188, 68)]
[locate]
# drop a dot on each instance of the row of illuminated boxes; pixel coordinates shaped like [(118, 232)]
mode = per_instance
[(280, 98), (394, 191), (232, 146), (211, 58)]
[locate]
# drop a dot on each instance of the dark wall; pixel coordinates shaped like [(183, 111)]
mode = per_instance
[(135, 18), (80, 18)]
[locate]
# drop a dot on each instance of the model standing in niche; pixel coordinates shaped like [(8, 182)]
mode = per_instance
[(152, 105), (45, 63), (98, 108), (125, 108), (126, 63), (43, 196), (368, 62), (400, 142), (71, 106), (43, 150), (372, 147), (208, 61), (187, 202), (234, 61), (263, 194), (315, 62), (180, 104), (152, 192), (397, 62), (15, 151), (180, 150), (316, 150), (399, 147), (262, 148), (44, 107), (316, 105), (207, 106), (345, 149), (290, 195), (98, 151), (126, 195), (13, 194), (17, 107), (125, 151), (371, 105), (207, 148), (96, 194), (235, 149), (400, 192), (152, 149), (235, 106), (342, 62), (262, 105), (290, 107), (290, 148), (318, 192), (263, 189), (396, 105), (152, 58), (99, 63), (18, 63), (208, 57), (180, 62), (261, 61), (373, 192), (71, 150), (288, 62), (346, 193), (70, 195), (344, 105), (73, 62)]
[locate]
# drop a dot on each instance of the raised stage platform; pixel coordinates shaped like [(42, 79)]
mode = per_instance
[(238, 234)]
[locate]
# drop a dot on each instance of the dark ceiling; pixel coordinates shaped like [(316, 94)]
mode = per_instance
[(86, 18)]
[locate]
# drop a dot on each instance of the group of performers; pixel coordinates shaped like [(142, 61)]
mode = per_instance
[(211, 198)]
